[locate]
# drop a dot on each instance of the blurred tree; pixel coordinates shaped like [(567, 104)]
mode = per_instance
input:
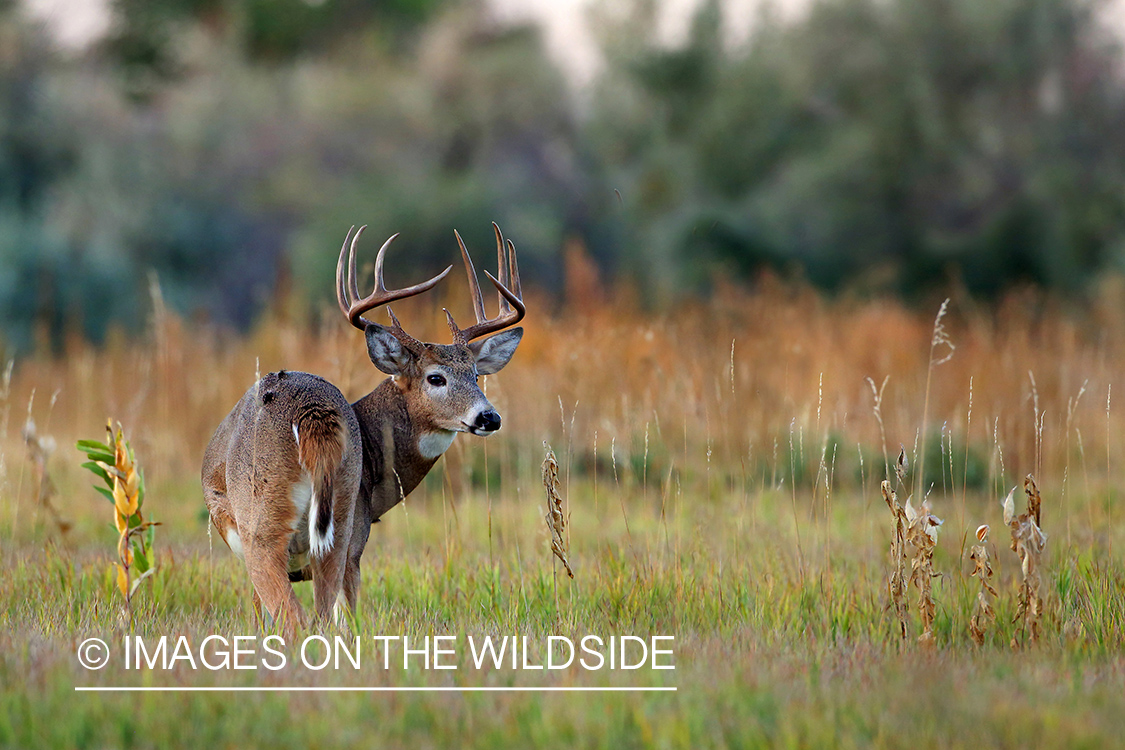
[(904, 140), (146, 42), (871, 142), (36, 152), (476, 126)]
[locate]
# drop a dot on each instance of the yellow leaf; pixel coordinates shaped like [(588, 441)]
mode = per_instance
[(122, 522), (125, 501), (121, 452), (123, 549), (122, 581)]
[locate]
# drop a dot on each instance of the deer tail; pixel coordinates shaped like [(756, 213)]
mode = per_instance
[(319, 432)]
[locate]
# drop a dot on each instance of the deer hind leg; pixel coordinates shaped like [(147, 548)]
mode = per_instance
[(223, 521), (328, 581), (351, 569), (330, 571), (267, 557)]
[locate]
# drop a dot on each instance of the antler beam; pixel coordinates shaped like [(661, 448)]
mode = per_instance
[(347, 289)]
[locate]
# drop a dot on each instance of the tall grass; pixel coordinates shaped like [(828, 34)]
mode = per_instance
[(720, 464), (670, 394)]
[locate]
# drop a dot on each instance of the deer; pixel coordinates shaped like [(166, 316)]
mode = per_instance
[(295, 475)]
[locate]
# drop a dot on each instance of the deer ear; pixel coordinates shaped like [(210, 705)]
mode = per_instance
[(494, 352), (386, 351)]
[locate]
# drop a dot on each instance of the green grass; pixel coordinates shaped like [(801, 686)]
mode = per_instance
[(767, 652)]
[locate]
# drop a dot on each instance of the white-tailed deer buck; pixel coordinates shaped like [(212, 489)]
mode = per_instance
[(295, 475)]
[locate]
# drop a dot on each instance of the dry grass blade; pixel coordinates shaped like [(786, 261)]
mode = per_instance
[(556, 519)]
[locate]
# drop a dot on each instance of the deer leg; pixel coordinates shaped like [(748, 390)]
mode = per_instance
[(351, 570), (267, 560), (328, 581), (329, 572)]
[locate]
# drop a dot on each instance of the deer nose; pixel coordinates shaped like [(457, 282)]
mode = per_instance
[(487, 421)]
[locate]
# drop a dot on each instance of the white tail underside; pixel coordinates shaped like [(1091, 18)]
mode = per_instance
[(304, 496), (319, 546)]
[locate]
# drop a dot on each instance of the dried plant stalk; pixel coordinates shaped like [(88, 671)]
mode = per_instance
[(983, 613), (921, 535), (1028, 541), (556, 519), (896, 585), (39, 450)]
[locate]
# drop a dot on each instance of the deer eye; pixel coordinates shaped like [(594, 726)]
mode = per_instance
[(435, 380)]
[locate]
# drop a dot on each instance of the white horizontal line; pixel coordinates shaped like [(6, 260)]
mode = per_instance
[(290, 689)]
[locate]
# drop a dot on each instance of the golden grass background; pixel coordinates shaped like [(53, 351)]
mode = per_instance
[(744, 392)]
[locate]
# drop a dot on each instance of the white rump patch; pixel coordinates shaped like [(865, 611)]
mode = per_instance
[(234, 542), (433, 444), (302, 495)]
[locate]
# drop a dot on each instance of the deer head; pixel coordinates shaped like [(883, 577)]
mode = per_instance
[(440, 382)]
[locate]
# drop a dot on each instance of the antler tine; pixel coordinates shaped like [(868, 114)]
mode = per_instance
[(379, 285), (502, 267), (347, 290), (514, 279), (342, 297), (511, 303), (474, 285), (352, 275)]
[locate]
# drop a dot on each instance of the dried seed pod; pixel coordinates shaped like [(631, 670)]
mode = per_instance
[(556, 519)]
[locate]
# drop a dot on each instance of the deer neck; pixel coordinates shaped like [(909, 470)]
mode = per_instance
[(390, 436)]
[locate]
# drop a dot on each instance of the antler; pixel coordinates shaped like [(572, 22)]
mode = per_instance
[(511, 295), (347, 290)]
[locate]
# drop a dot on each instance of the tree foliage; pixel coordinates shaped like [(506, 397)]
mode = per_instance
[(907, 141), (884, 144)]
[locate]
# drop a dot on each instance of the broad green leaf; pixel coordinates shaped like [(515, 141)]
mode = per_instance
[(107, 493), (106, 457), (140, 559), (93, 446), (93, 467)]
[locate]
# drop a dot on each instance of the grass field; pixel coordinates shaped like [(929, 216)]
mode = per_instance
[(721, 471)]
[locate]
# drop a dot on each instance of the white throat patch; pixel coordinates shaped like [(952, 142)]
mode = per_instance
[(433, 444)]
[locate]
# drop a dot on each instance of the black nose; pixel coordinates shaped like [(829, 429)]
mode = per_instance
[(487, 421)]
